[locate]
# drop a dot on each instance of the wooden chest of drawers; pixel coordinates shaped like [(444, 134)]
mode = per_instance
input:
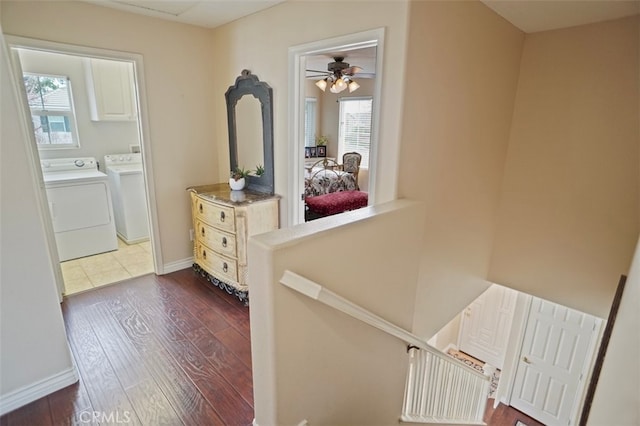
[(223, 220)]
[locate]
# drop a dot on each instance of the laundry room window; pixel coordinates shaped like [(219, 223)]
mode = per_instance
[(51, 103)]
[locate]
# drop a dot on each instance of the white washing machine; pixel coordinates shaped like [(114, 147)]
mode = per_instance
[(80, 205), (129, 200)]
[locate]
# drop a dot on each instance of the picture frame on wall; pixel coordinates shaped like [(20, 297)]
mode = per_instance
[(321, 151)]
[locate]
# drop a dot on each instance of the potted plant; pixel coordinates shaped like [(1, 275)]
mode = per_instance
[(321, 140), (237, 179), (259, 170)]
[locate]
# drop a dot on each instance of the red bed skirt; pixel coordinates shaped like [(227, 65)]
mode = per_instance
[(337, 202)]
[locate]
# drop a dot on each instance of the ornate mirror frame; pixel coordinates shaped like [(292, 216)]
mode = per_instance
[(249, 84)]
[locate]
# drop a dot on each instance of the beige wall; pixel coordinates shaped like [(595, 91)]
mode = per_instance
[(179, 71), (568, 218), (462, 70), (32, 335), (260, 43), (617, 397), (312, 362)]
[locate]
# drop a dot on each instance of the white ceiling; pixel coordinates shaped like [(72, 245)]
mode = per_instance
[(528, 15), (203, 13)]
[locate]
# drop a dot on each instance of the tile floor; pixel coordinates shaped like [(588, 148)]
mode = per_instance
[(106, 268)]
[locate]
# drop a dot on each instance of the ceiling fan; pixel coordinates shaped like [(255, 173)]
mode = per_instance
[(339, 76)]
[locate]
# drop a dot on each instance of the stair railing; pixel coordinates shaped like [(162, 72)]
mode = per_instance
[(439, 389)]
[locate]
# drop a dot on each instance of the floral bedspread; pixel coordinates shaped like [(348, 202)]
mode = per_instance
[(321, 181)]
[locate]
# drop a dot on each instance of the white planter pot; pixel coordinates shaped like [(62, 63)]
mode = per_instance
[(236, 185)]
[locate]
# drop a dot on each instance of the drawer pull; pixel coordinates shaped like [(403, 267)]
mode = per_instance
[(224, 241), (221, 216), (200, 208), (204, 254), (202, 231), (225, 267)]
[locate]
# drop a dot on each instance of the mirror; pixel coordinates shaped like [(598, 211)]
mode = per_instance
[(249, 106), (249, 133)]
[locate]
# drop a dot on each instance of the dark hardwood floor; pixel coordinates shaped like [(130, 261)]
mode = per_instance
[(162, 350), (154, 350), (504, 415)]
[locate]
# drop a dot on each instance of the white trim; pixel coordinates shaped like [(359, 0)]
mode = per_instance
[(354, 98), (297, 67), (317, 292), (302, 423), (178, 265), (513, 368), (37, 390), (143, 128)]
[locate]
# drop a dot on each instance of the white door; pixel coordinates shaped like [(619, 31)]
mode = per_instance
[(557, 342), (486, 323)]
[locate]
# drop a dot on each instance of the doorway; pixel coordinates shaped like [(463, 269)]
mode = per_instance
[(318, 138), (80, 127), (486, 325), (557, 351)]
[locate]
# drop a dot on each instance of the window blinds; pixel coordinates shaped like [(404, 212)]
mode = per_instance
[(355, 127)]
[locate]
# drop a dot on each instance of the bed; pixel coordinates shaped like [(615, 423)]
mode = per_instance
[(325, 176), (329, 190)]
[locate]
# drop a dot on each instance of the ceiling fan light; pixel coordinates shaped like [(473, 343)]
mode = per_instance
[(334, 88), (322, 84), (340, 84), (353, 86)]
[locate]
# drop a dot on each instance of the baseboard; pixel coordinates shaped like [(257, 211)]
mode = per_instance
[(177, 265), (302, 423), (450, 346), (37, 390)]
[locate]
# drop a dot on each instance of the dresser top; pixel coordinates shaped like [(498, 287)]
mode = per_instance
[(221, 192)]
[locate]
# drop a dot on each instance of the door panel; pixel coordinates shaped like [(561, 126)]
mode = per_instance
[(79, 206), (486, 323), (553, 356)]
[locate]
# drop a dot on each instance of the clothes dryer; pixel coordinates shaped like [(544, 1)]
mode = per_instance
[(129, 201)]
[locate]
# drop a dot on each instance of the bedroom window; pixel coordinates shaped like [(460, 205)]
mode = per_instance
[(354, 133), (310, 118), (52, 114)]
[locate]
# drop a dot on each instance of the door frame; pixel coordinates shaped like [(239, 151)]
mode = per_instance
[(297, 66), (587, 368), (15, 42)]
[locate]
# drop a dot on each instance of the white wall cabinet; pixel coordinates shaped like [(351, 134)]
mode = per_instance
[(111, 90)]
